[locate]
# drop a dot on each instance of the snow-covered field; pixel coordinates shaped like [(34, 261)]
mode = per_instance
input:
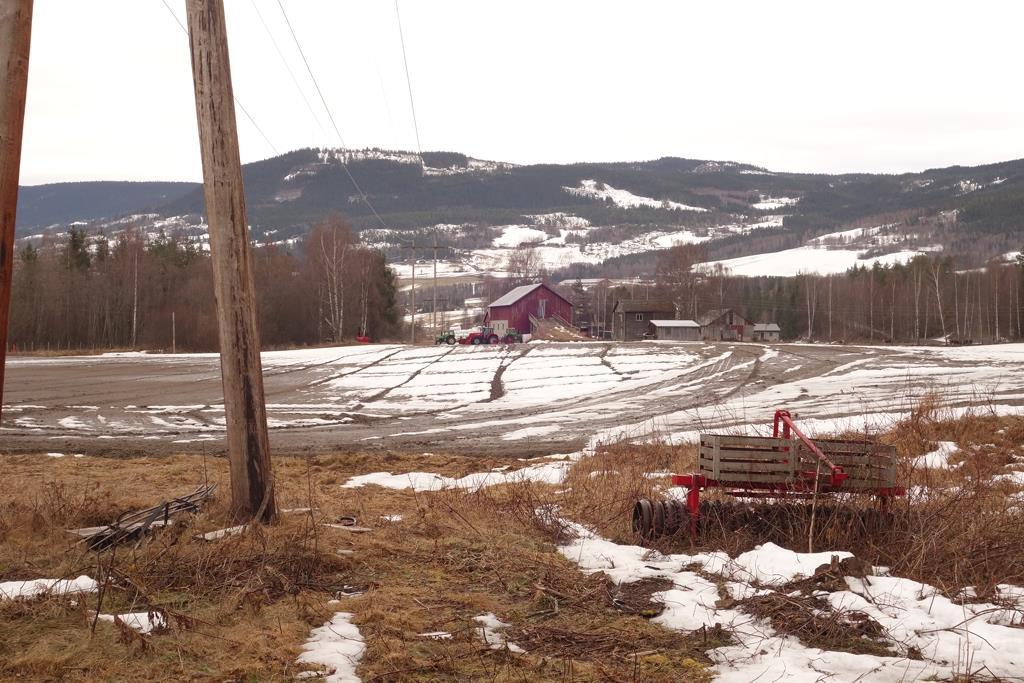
[(809, 259), (624, 198), (833, 253), (531, 398)]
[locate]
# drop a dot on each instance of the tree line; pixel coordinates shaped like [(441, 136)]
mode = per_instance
[(81, 291), (927, 298)]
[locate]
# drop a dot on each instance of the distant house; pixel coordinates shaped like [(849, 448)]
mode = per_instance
[(724, 324), (676, 330), (631, 316), (515, 308), (766, 332)]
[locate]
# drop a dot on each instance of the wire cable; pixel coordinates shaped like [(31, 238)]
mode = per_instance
[(237, 101), (284, 61), (408, 84), (330, 116)]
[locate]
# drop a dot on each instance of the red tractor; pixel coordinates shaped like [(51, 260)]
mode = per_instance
[(481, 335)]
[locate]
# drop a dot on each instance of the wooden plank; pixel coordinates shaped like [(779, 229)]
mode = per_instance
[(847, 461), (734, 454), (716, 456), (732, 466), (15, 38), (731, 441), (760, 477), (252, 478)]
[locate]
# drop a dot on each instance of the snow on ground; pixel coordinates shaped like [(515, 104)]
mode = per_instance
[(41, 587), (546, 392), (915, 617), (773, 203), (143, 622), (489, 632), (548, 472), (869, 393), (425, 270), (624, 198), (337, 647), (514, 235), (808, 259), (847, 236), (939, 458)]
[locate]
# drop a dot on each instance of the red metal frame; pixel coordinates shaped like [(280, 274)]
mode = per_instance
[(783, 427)]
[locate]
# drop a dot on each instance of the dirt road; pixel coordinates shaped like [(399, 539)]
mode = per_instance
[(526, 400)]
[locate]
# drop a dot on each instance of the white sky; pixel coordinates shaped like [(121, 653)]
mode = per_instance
[(799, 86)]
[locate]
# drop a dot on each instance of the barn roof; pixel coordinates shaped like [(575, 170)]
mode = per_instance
[(767, 327), (514, 295), (675, 323), (644, 305), (714, 314)]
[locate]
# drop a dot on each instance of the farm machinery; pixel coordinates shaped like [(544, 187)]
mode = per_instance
[(450, 337), (478, 335), (785, 467)]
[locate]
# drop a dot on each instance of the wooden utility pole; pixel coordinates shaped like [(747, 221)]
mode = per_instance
[(412, 295), (433, 305), (15, 36), (252, 478)]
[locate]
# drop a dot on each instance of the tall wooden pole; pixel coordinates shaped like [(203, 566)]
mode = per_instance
[(433, 305), (252, 479), (15, 36), (412, 295)]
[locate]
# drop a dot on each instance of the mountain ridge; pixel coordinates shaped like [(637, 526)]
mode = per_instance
[(733, 208)]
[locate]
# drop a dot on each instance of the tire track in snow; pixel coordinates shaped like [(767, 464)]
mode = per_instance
[(331, 378), (605, 362), (497, 385), (384, 392)]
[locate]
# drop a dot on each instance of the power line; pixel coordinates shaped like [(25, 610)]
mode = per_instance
[(237, 101), (286, 66), (334, 124), (408, 83)]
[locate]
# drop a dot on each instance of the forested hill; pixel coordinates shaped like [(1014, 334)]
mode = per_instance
[(288, 193), (40, 206)]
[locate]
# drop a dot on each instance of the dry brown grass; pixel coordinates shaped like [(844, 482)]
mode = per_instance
[(241, 607), (957, 527)]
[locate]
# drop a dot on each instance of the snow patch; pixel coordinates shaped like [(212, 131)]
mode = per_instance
[(489, 633), (143, 622), (337, 646), (939, 458), (593, 189), (10, 590), (548, 473)]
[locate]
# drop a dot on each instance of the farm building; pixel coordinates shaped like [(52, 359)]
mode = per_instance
[(766, 332), (518, 308), (676, 330), (631, 316), (725, 324)]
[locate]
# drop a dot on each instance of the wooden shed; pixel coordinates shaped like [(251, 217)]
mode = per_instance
[(515, 308), (630, 317), (725, 324), (766, 332), (676, 330)]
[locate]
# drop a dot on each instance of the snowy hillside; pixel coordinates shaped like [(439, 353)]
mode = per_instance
[(749, 219)]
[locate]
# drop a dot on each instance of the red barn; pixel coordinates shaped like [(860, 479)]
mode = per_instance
[(515, 307)]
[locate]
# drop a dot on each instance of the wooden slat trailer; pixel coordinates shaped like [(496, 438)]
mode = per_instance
[(785, 465)]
